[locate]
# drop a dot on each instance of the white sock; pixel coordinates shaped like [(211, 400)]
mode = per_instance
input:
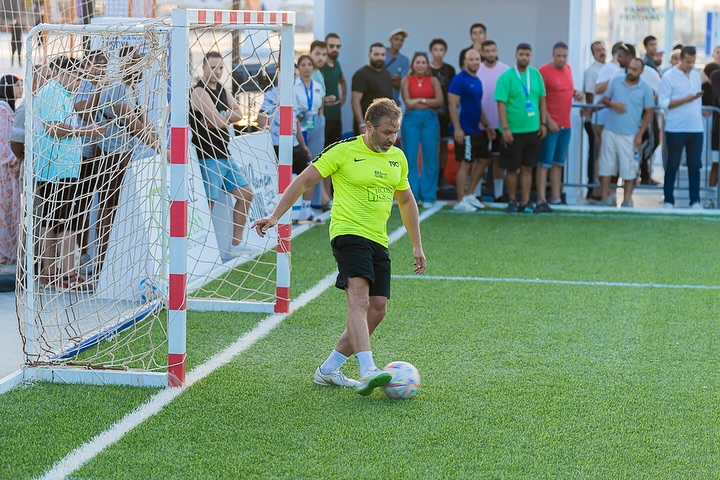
[(334, 361), (498, 186), (365, 359)]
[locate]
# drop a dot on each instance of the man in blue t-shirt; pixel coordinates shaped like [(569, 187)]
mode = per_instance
[(628, 100), (466, 91)]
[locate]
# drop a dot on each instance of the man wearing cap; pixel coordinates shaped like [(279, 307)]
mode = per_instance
[(395, 62)]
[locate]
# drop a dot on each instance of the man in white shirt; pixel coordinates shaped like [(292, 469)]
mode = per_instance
[(680, 95), (599, 53)]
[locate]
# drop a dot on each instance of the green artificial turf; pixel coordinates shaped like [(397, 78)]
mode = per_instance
[(519, 380)]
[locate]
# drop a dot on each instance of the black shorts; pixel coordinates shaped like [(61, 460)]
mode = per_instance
[(491, 148), (523, 151), (359, 257), (471, 148), (58, 204), (301, 159)]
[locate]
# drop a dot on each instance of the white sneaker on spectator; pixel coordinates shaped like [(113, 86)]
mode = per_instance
[(427, 204), (234, 251), (464, 206), (697, 206), (472, 200), (668, 206)]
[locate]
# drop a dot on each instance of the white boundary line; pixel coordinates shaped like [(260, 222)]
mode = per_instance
[(157, 402), (558, 282)]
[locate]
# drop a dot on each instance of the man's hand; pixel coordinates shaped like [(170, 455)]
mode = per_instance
[(638, 141), (491, 134), (553, 127), (542, 133), (459, 136), (508, 136), (420, 262), (262, 225), (330, 100), (618, 107), (579, 96)]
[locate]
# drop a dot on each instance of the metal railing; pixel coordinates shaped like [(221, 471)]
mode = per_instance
[(575, 176)]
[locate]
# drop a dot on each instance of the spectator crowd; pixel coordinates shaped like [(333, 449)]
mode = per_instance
[(504, 126)]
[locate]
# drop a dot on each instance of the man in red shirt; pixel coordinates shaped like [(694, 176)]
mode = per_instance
[(560, 90)]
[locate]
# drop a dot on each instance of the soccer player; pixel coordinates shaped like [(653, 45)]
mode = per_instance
[(368, 172)]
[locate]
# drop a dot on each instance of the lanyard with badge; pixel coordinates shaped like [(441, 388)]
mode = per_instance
[(309, 121), (528, 104)]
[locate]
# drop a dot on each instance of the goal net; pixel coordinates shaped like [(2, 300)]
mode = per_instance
[(139, 192)]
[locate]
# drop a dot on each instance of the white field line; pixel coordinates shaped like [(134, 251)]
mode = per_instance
[(157, 402), (557, 282)]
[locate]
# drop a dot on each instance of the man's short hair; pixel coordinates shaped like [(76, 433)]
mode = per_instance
[(628, 48), (616, 48), (488, 43), (634, 59), (212, 54), (438, 41), (476, 25), (95, 56), (592, 45), (64, 63), (648, 39), (523, 46), (562, 45), (678, 46), (331, 35), (376, 45), (381, 108), (317, 44), (688, 51)]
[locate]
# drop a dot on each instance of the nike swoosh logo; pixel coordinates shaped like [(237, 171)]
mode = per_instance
[(359, 159)]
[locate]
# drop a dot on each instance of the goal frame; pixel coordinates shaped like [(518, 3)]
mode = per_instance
[(181, 21)]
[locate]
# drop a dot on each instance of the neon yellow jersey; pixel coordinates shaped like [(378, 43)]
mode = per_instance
[(365, 183)]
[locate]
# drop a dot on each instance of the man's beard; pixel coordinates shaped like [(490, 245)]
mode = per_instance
[(377, 64)]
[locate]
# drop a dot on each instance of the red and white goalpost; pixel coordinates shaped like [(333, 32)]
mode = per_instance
[(182, 22), (164, 253)]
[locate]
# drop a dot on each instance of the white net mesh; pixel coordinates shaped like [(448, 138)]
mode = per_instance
[(95, 229), (233, 160)]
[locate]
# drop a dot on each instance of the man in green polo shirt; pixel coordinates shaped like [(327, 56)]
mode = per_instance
[(522, 111), (335, 86), (368, 172)]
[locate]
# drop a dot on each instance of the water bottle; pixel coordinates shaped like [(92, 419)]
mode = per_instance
[(636, 155)]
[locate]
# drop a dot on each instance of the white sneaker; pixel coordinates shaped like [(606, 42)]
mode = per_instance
[(373, 379), (472, 200), (668, 206), (696, 206), (334, 378), (464, 206), (233, 251), (427, 204)]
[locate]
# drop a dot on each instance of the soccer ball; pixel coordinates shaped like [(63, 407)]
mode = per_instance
[(149, 290), (405, 380)]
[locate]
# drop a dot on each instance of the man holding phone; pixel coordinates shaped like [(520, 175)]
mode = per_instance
[(680, 95)]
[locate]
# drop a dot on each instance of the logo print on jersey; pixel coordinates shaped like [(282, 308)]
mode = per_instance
[(380, 194), (393, 164), (360, 159)]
